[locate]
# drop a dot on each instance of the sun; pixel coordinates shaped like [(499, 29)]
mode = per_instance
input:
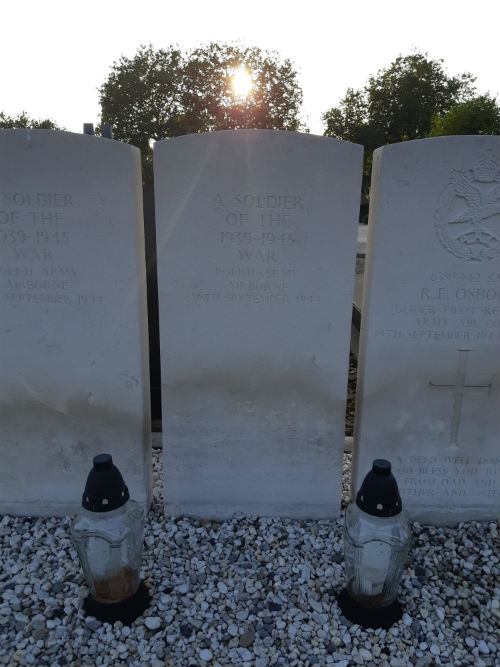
[(242, 82)]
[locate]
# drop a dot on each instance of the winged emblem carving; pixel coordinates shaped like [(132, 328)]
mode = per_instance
[(468, 211)]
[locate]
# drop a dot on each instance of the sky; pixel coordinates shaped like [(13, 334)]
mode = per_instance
[(55, 54)]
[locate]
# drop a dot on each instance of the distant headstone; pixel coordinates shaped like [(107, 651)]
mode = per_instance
[(256, 236), (428, 386), (107, 131), (74, 380)]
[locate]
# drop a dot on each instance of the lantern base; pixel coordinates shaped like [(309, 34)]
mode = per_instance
[(369, 617), (125, 611)]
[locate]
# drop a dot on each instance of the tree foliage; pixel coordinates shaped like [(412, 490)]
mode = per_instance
[(272, 103), (23, 120), (142, 97), (165, 93), (480, 115), (398, 103)]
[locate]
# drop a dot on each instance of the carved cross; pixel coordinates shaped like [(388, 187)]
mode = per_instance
[(459, 388)]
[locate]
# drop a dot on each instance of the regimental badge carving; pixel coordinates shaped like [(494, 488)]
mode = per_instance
[(468, 211)]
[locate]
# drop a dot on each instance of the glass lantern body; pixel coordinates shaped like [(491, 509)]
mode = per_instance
[(109, 546), (375, 550)]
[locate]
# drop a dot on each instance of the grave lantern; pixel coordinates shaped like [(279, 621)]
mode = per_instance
[(376, 542), (108, 535)]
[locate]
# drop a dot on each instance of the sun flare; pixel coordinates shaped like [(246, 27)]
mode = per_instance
[(242, 82)]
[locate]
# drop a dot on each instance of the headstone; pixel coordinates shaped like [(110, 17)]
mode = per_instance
[(428, 391), (256, 236), (74, 380)]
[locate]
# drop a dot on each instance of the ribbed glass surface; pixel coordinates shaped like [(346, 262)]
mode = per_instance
[(109, 547), (375, 550)]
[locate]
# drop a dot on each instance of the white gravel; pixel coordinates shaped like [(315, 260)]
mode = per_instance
[(248, 592)]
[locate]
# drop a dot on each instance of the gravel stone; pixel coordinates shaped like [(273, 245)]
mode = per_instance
[(206, 655), (248, 591), (475, 633), (38, 622), (152, 622), (92, 623), (244, 654), (247, 638), (186, 630), (483, 647)]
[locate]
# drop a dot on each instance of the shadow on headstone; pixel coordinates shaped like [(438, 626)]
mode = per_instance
[(152, 288)]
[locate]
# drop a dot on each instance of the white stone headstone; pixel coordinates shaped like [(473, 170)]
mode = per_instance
[(256, 235), (74, 365), (428, 388)]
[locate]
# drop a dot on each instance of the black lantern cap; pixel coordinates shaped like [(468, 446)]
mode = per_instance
[(379, 493), (105, 489)]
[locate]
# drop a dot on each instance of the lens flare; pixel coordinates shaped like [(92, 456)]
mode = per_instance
[(242, 82)]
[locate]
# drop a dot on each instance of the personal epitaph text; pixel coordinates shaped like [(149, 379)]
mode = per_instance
[(256, 234)]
